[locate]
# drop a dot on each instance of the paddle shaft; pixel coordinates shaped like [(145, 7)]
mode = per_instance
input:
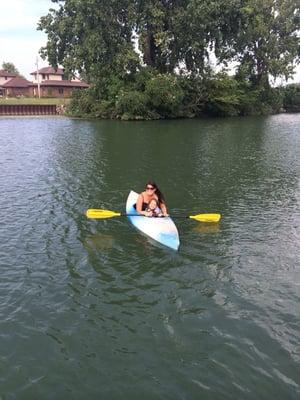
[(100, 214), (162, 216)]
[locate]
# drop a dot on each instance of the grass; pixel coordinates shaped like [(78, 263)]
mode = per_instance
[(32, 100)]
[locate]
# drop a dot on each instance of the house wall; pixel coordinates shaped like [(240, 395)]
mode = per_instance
[(47, 77), (14, 92), (53, 77), (34, 78), (56, 92)]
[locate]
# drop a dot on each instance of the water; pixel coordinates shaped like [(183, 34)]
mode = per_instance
[(92, 309)]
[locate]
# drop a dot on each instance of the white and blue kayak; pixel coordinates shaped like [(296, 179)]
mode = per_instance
[(163, 230)]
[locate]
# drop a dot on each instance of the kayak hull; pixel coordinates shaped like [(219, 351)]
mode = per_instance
[(163, 230)]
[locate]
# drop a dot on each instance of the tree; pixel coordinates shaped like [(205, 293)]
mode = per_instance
[(267, 41), (98, 36), (182, 34), (93, 37), (131, 50), (10, 67)]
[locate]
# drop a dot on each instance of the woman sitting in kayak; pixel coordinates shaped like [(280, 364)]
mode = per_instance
[(151, 192)]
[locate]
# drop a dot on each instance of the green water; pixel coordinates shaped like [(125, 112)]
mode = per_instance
[(93, 310)]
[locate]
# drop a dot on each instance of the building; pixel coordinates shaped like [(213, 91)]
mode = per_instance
[(49, 82), (53, 84), (4, 78), (47, 74), (17, 87)]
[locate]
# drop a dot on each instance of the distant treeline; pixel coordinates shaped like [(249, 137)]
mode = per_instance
[(150, 59)]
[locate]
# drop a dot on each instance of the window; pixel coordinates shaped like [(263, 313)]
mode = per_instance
[(61, 91)]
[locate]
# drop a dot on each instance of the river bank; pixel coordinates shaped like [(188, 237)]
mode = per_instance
[(33, 106), (152, 96)]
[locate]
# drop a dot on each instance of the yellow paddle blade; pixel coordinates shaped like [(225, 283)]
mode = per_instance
[(98, 214), (206, 217)]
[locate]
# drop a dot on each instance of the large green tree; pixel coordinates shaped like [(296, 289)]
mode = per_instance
[(93, 37), (267, 41), (103, 39), (97, 36), (182, 34), (155, 33)]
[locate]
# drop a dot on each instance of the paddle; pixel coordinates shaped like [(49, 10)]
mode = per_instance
[(101, 214)]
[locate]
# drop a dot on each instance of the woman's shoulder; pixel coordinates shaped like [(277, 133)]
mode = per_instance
[(142, 195)]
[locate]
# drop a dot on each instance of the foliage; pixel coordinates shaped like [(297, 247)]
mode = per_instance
[(10, 67), (165, 95), (267, 41), (92, 37), (81, 103), (132, 105), (224, 96), (291, 98), (152, 59)]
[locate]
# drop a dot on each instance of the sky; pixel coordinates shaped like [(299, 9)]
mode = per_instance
[(20, 41)]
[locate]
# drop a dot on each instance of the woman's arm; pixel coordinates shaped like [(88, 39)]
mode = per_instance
[(139, 207), (164, 210)]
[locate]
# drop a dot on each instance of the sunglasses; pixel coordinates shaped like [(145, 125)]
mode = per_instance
[(150, 188)]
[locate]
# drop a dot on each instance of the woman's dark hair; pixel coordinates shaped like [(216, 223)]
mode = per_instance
[(160, 196)]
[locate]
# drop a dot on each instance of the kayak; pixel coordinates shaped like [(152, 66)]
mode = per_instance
[(162, 230)]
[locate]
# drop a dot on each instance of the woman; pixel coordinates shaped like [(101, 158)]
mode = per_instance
[(151, 192)]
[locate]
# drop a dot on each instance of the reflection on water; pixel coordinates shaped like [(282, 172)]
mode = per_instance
[(99, 241), (207, 227)]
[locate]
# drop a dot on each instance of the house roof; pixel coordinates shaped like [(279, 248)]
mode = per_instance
[(4, 73), (49, 70), (64, 83), (17, 82)]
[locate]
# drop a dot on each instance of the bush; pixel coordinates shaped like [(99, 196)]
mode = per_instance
[(104, 109), (271, 100), (224, 96), (146, 94), (291, 98), (81, 103), (132, 105), (165, 95), (195, 96)]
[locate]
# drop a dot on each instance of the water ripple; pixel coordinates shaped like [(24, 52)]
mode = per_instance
[(93, 308)]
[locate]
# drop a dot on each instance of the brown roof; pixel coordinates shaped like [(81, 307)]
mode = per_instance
[(49, 70), (64, 83), (17, 82), (4, 73)]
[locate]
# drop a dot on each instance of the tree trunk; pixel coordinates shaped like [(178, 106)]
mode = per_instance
[(149, 52)]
